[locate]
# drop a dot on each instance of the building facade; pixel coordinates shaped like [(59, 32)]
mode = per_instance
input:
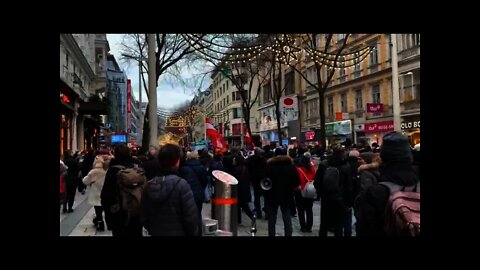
[(81, 88)]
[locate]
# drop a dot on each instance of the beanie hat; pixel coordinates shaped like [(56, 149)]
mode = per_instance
[(395, 148)]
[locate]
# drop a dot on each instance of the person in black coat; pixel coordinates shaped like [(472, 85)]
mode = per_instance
[(396, 167), (334, 206), (196, 175), (117, 222), (240, 172), (256, 165), (168, 204), (71, 179), (285, 179)]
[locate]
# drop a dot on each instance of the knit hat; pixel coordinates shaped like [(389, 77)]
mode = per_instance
[(395, 148)]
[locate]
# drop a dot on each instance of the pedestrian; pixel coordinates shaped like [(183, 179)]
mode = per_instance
[(306, 173), (71, 179), (95, 179)]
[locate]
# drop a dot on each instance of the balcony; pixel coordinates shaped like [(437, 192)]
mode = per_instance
[(409, 53), (357, 73), (410, 106)]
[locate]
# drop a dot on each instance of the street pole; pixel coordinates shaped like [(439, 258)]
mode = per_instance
[(396, 91), (152, 90), (241, 131)]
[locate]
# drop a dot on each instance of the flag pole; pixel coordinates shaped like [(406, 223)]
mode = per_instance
[(205, 124)]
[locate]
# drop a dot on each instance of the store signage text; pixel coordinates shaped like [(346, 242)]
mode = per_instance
[(384, 126), (375, 107), (414, 124), (309, 135)]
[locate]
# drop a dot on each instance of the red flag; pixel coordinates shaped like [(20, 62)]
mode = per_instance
[(217, 140), (248, 139)]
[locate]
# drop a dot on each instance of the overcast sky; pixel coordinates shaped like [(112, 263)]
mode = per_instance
[(168, 96)]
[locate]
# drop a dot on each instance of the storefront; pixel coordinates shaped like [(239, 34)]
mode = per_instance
[(67, 114), (374, 131), (338, 132), (411, 128)]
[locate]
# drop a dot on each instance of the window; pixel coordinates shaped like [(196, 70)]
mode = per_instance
[(228, 101), (289, 81), (374, 55), (66, 58), (343, 102), (330, 106), (356, 61), (227, 83), (376, 93), (408, 87), (311, 108), (236, 129), (74, 67), (233, 96), (237, 113), (312, 74), (358, 99)]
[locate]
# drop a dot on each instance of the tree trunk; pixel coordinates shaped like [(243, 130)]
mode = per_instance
[(279, 128), (321, 100)]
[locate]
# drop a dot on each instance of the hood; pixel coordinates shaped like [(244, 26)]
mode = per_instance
[(280, 160), (400, 174), (159, 188)]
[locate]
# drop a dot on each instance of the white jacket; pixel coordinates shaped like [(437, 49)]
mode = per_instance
[(95, 178)]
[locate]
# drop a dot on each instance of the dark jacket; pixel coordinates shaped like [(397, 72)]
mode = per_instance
[(256, 167), (370, 206), (72, 172), (240, 172), (200, 171), (189, 173), (345, 197), (285, 179), (109, 195), (151, 167), (168, 207)]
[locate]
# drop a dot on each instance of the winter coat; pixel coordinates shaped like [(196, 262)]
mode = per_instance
[(345, 197), (72, 171), (168, 207), (108, 196), (285, 179), (188, 173), (371, 204), (240, 172), (200, 171), (256, 167), (95, 178), (309, 173)]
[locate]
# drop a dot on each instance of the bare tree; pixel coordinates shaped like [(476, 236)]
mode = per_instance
[(171, 50), (312, 42)]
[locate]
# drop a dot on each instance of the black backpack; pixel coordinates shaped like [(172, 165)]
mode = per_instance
[(331, 183)]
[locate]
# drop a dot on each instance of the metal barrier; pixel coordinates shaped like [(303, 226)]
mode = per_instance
[(225, 201)]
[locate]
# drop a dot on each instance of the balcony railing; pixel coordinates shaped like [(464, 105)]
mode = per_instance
[(408, 53)]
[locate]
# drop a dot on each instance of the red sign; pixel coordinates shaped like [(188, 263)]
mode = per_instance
[(129, 96), (309, 135), (375, 107), (384, 126), (288, 101)]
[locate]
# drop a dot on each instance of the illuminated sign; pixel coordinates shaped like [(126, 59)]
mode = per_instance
[(176, 122)]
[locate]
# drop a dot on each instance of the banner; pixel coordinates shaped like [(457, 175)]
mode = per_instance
[(129, 96), (375, 107)]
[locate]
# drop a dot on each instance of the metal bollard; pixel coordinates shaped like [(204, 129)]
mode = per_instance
[(225, 202)]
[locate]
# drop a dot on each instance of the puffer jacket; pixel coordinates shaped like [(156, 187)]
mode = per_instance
[(95, 178), (168, 207)]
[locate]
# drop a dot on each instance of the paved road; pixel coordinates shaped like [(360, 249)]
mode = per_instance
[(79, 223)]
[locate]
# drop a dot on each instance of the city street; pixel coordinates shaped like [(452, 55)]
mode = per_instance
[(79, 223)]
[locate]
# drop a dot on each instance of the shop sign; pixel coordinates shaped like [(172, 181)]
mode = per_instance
[(309, 135), (412, 124), (384, 126), (375, 107)]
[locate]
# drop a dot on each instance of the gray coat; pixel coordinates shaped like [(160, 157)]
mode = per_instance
[(168, 207)]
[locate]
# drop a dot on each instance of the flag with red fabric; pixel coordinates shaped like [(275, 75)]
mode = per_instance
[(248, 140), (217, 140)]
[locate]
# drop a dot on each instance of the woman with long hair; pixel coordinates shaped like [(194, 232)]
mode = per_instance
[(306, 172)]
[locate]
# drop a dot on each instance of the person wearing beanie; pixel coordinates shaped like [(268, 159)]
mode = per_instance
[(396, 167), (168, 204)]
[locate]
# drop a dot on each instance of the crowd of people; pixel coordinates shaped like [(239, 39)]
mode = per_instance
[(177, 182)]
